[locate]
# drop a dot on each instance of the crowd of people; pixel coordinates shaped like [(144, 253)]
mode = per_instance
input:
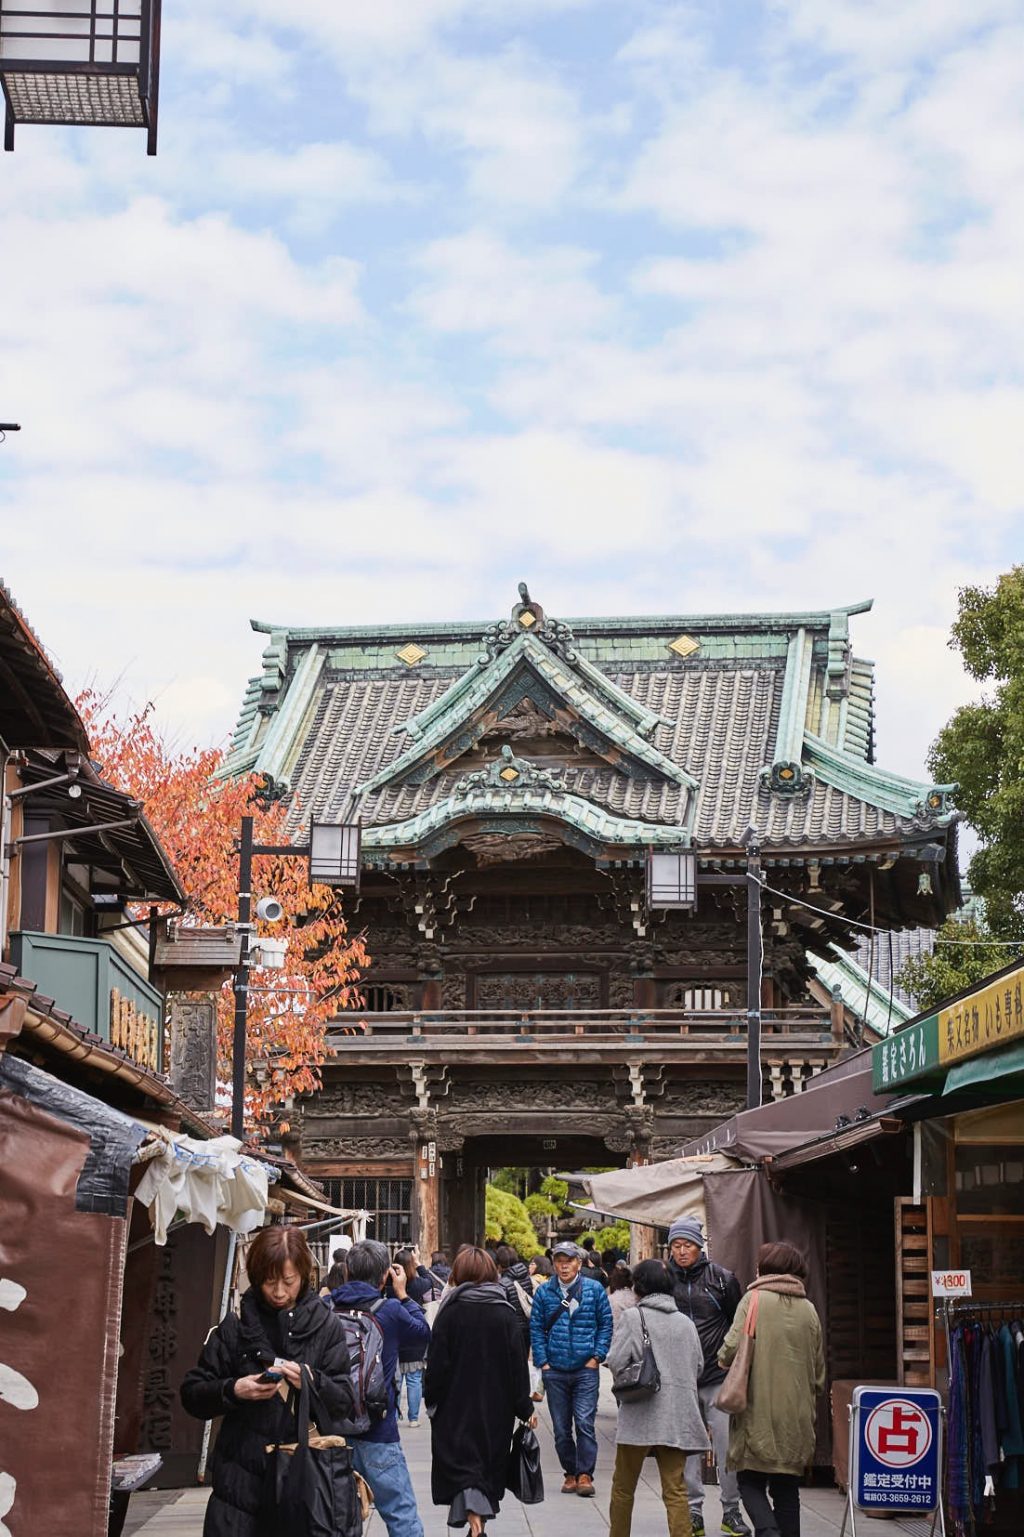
[(480, 1344)]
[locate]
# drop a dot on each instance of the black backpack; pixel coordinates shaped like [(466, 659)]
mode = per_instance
[(365, 1339)]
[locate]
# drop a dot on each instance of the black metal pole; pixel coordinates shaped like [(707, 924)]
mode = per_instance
[(241, 981), (755, 964)]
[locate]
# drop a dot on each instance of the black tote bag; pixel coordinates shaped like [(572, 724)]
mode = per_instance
[(523, 1477), (310, 1488)]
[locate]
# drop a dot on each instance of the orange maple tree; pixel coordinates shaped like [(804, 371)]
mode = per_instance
[(196, 813)]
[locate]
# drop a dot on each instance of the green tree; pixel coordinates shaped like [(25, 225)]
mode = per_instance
[(981, 748), (542, 1212), (963, 956), (512, 1179), (506, 1220), (614, 1236), (556, 1190)]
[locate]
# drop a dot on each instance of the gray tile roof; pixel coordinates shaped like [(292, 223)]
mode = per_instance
[(336, 710)]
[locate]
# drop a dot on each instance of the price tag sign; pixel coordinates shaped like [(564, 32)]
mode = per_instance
[(951, 1283)]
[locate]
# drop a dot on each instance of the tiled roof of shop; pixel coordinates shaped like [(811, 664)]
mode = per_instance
[(757, 691)]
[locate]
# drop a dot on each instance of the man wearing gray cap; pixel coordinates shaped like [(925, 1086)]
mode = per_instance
[(710, 1295), (571, 1330)]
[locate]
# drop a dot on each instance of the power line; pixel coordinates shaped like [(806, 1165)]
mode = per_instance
[(872, 928)]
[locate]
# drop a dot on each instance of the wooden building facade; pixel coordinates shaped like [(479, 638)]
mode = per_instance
[(527, 1002)]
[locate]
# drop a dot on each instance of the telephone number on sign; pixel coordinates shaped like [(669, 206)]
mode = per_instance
[(900, 1496)]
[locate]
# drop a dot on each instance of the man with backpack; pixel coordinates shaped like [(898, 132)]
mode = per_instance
[(377, 1454), (709, 1295)]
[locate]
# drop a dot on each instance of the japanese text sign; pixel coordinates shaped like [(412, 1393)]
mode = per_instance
[(910, 1053), (989, 1016), (896, 1449)]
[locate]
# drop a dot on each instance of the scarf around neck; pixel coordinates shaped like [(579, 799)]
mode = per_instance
[(784, 1285)]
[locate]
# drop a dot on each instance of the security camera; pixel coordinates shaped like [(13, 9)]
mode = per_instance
[(269, 909)]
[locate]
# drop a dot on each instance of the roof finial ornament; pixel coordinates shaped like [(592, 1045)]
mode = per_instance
[(527, 615), (528, 618)]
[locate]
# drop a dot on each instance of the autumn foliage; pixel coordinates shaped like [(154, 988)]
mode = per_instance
[(196, 814)]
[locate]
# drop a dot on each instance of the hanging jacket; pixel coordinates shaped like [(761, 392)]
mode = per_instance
[(242, 1345), (565, 1337), (710, 1295)]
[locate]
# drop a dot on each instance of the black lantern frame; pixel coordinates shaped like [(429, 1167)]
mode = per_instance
[(671, 878), (93, 63)]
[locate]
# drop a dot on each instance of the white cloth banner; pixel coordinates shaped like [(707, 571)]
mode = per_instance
[(209, 1182)]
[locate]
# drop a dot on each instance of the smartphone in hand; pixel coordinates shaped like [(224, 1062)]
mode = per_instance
[(269, 1376)]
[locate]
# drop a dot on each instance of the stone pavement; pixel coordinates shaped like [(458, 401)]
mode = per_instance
[(179, 1513)]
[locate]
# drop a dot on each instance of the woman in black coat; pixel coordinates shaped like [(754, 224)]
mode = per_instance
[(477, 1385), (285, 1326)]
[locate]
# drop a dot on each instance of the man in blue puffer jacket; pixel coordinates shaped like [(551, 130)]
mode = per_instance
[(571, 1330)]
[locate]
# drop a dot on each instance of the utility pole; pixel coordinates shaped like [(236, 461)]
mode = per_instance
[(241, 981), (755, 966)]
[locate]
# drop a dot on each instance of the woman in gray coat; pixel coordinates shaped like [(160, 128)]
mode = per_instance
[(668, 1425)]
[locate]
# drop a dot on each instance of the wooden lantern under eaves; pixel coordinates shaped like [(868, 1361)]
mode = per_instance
[(93, 63), (195, 960)]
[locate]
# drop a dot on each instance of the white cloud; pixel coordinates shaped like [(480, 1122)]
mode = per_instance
[(527, 302)]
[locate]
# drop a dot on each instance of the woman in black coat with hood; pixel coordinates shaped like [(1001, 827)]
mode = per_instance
[(477, 1385), (283, 1325)]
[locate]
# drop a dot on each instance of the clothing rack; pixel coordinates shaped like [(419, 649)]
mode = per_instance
[(956, 1313), (1017, 1305)]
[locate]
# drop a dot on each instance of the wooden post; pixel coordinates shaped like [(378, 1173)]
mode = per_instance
[(426, 1212)]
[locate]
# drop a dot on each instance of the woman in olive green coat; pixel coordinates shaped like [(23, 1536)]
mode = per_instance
[(772, 1441)]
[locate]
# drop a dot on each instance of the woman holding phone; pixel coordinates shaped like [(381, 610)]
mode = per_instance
[(281, 1330)]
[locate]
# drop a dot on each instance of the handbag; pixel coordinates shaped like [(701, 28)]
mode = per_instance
[(310, 1487), (640, 1379), (732, 1395), (523, 1476)]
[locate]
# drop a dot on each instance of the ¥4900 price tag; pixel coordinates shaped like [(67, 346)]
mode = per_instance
[(951, 1283)]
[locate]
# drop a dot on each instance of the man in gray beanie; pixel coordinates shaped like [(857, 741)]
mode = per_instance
[(709, 1294)]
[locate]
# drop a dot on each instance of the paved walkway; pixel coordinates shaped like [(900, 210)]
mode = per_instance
[(179, 1513)]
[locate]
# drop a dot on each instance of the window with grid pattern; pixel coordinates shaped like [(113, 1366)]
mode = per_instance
[(389, 1202)]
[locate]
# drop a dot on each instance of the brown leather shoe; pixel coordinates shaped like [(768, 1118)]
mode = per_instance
[(569, 1486), (585, 1486)]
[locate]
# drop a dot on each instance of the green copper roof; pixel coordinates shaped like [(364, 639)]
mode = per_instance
[(487, 801), (890, 792), (472, 629), (601, 710), (864, 996)]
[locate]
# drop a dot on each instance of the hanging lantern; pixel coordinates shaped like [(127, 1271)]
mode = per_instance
[(334, 853), (672, 879), (88, 62)]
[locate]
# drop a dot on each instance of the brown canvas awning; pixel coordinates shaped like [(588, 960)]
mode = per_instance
[(841, 1094)]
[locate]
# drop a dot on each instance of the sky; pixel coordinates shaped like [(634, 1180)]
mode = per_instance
[(660, 307)]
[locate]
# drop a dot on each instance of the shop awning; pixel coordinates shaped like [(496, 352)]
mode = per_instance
[(996, 1069), (656, 1193), (841, 1094)]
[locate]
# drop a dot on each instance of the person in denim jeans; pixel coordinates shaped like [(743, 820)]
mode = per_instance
[(377, 1456), (571, 1330)]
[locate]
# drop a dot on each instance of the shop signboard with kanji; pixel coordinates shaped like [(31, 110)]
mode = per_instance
[(983, 1019), (896, 1446), (911, 1053)]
